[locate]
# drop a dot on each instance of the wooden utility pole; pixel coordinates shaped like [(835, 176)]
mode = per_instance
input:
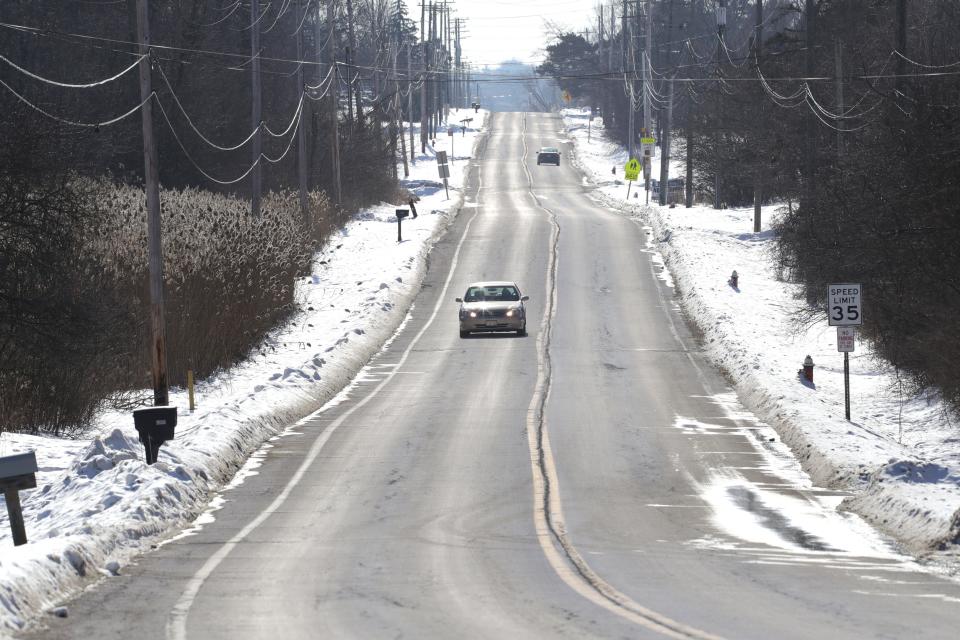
[(688, 187), (809, 146), (424, 47), (397, 117), (901, 43), (838, 63), (151, 171), (357, 92), (334, 98), (301, 133), (758, 174), (721, 27), (665, 149), (631, 68), (351, 74), (410, 99), (434, 85), (613, 29), (256, 111), (647, 75)]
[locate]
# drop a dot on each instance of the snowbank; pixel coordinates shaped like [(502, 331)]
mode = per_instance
[(98, 504), (899, 457)]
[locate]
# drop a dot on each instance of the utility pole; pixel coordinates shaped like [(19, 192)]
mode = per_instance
[(809, 143), (613, 30), (413, 154), (631, 118), (758, 171), (838, 60), (397, 112), (334, 98), (665, 148), (256, 114), (647, 80), (151, 174), (435, 65), (688, 187), (721, 27), (901, 43), (301, 133), (666, 132), (351, 75), (423, 79)]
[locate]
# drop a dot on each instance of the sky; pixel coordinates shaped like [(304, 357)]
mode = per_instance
[(499, 30)]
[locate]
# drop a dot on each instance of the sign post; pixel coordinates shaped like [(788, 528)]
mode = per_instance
[(844, 312), (846, 339), (631, 171), (444, 170), (648, 148)]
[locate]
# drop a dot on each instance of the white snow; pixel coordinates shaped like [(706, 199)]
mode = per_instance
[(899, 456), (98, 504)]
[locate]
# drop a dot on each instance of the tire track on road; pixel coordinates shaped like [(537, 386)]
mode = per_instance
[(549, 522)]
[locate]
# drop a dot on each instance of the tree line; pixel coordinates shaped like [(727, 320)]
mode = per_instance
[(73, 291), (845, 111)]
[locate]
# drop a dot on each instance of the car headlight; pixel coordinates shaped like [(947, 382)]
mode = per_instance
[(514, 312), (473, 314)]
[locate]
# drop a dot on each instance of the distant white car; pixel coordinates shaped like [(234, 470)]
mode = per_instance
[(548, 155), (493, 306)]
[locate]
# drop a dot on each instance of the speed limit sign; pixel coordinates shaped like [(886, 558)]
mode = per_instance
[(844, 305)]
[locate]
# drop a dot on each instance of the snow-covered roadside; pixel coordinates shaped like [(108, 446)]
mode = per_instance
[(98, 504), (899, 457)]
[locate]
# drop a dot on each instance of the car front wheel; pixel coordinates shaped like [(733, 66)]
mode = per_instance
[(464, 334)]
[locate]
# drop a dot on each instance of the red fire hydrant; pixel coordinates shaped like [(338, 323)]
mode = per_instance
[(808, 368), (734, 279)]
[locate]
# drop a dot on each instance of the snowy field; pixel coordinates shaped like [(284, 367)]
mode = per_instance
[(98, 505), (898, 457)]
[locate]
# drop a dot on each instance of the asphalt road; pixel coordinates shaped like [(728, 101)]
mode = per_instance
[(593, 479)]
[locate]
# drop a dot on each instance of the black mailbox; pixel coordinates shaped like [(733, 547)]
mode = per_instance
[(155, 425), (401, 214)]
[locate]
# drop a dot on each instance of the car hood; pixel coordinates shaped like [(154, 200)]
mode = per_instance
[(490, 305)]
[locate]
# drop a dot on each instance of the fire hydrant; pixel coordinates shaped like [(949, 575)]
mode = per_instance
[(734, 279), (808, 368), (614, 170)]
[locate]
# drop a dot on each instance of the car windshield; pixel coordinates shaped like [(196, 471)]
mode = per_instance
[(492, 294), (549, 150)]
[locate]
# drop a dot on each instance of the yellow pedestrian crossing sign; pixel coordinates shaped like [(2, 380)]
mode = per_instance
[(631, 170)]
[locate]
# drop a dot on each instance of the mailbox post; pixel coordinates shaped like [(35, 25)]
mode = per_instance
[(401, 214), (17, 473), (154, 425)]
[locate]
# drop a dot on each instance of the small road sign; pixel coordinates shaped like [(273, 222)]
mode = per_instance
[(631, 170), (846, 338), (444, 170), (844, 305), (649, 147)]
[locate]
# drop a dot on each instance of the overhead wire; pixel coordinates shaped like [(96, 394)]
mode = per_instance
[(75, 123), (68, 85)]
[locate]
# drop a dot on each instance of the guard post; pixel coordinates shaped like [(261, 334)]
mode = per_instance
[(401, 214), (17, 472)]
